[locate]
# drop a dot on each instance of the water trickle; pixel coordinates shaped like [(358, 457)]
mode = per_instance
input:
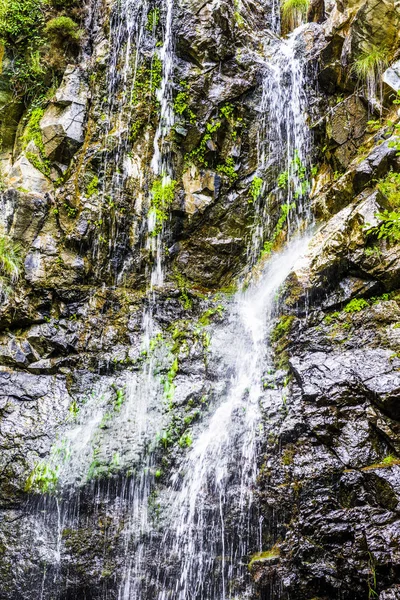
[(284, 142)]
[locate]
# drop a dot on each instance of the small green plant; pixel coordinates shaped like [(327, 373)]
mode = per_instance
[(92, 187), (388, 228), (10, 262), (255, 189), (153, 19), (390, 187), (356, 305), (285, 212), (163, 193), (228, 169), (169, 385), (43, 479), (328, 320), (198, 154), (185, 441), (73, 410)]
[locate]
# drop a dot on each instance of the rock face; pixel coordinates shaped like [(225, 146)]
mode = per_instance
[(79, 190)]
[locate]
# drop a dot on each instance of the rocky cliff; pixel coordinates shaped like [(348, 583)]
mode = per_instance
[(86, 218)]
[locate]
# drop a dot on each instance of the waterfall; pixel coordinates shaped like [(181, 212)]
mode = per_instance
[(209, 524), (212, 525)]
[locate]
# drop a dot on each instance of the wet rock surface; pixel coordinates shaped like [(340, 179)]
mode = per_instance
[(76, 201)]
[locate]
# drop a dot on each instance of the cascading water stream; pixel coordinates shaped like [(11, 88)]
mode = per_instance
[(210, 524), (212, 529)]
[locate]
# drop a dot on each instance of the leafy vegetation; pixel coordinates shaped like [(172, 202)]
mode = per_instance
[(10, 262), (153, 19), (390, 187), (356, 305), (163, 193), (388, 228), (285, 212), (39, 44), (255, 189)]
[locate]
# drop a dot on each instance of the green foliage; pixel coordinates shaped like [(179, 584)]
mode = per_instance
[(295, 177), (43, 479), (181, 103), (328, 320), (390, 187), (198, 154), (205, 318), (227, 111), (389, 227), (356, 305), (144, 100), (285, 212), (20, 20), (10, 262), (255, 189), (185, 299), (370, 63), (283, 180), (169, 386), (228, 169), (153, 19), (73, 410), (185, 441), (163, 193), (93, 187)]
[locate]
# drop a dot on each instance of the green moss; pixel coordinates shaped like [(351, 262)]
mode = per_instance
[(288, 456), (205, 318), (282, 328), (63, 30), (261, 557), (163, 193), (32, 133), (183, 286)]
